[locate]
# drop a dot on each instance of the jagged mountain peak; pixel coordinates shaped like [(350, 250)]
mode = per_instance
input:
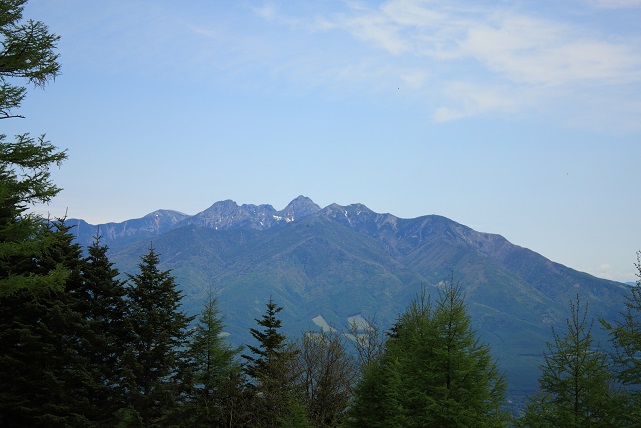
[(226, 204), (359, 207), (302, 199), (299, 208), (229, 215)]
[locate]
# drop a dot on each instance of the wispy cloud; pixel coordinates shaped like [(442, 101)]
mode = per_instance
[(377, 29), (457, 60), (472, 51), (537, 52), (521, 49), (472, 100)]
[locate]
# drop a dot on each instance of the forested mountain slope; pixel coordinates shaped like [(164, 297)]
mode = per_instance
[(327, 265)]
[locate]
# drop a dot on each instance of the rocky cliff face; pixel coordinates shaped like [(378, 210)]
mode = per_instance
[(229, 215)]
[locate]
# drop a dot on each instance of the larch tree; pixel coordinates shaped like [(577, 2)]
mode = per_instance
[(625, 335), (576, 388), (432, 372), (470, 384)]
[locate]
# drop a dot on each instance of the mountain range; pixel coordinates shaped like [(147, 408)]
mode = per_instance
[(330, 266)]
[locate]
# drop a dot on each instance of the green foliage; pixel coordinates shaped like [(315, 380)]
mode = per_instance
[(269, 369), (433, 372), (27, 52), (44, 374), (26, 239), (372, 406), (154, 360), (575, 387), (271, 351), (216, 374), (296, 415), (625, 335), (100, 298), (127, 417)]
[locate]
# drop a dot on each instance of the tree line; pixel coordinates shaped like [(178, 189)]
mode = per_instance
[(82, 347), (100, 351)]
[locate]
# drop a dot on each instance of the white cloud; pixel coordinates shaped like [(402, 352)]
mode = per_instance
[(414, 79), (537, 52), (482, 48), (522, 48), (377, 30), (473, 100), (267, 12)]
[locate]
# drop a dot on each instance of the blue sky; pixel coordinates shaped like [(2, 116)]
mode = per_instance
[(521, 118)]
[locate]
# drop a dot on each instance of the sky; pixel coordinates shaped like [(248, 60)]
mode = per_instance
[(521, 118)]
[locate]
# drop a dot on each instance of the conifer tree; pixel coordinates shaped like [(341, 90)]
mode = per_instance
[(575, 386), (44, 375), (626, 338), (269, 369), (470, 382), (216, 374), (27, 51), (155, 361), (100, 298), (26, 238), (433, 372)]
